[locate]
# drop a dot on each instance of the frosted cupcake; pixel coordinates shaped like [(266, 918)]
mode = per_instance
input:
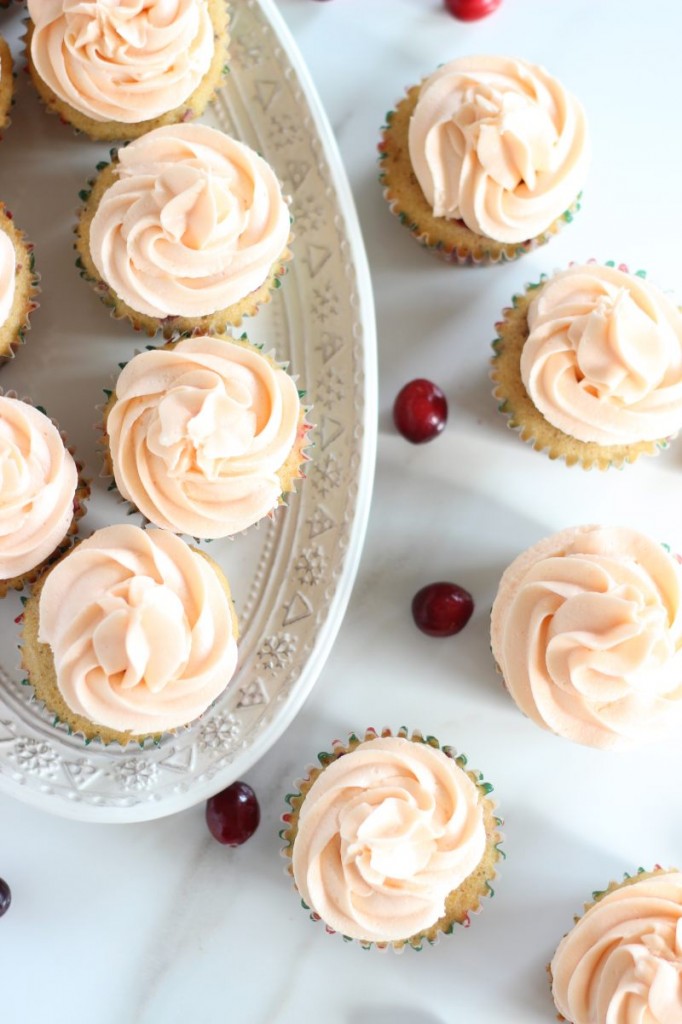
[(485, 159), (6, 84), (205, 436), (116, 71), (586, 629), (392, 840), (18, 286), (588, 365), (622, 962), (41, 495), (186, 230), (132, 634)]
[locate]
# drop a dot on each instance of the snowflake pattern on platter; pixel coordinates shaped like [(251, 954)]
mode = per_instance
[(135, 773), (277, 652), (310, 566), (35, 756), (221, 733)]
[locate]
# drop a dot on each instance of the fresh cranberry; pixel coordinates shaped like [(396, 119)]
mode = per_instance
[(233, 815), (442, 609), (472, 10), (5, 896), (420, 411)]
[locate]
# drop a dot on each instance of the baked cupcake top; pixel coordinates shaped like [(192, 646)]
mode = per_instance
[(385, 833), (622, 961), (198, 433), (125, 62), (8, 266), (586, 630), (194, 222), (141, 630), (500, 144), (603, 358), (38, 481)]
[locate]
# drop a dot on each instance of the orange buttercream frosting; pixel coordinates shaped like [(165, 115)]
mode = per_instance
[(586, 629), (500, 144)]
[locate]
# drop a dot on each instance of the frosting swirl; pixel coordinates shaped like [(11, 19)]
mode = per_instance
[(127, 61), (586, 629), (38, 481), (385, 833), (603, 359), (500, 144), (198, 434), (622, 961), (8, 265), (140, 628), (193, 224)]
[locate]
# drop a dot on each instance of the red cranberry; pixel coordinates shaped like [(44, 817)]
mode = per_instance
[(472, 10), (420, 411), (5, 896), (442, 609), (233, 815)]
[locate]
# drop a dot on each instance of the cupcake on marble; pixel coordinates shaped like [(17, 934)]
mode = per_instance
[(118, 70), (186, 230), (131, 635), (205, 436), (392, 841), (42, 495), (622, 962), (18, 286), (588, 366), (485, 160), (586, 630)]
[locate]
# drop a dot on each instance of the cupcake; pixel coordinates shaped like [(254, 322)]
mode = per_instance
[(204, 436), (41, 494), (586, 630), (588, 365), (115, 71), (392, 840), (132, 634), (485, 159), (6, 84), (18, 285), (186, 230), (621, 962)]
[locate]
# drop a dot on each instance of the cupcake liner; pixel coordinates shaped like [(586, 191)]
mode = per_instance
[(79, 509), (449, 240), (289, 474), (7, 93), (27, 288), (459, 905), (172, 327), (113, 131), (523, 416)]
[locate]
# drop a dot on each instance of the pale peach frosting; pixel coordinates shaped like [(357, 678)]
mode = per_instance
[(121, 60), (603, 359), (38, 481), (194, 223), (385, 833), (586, 629), (500, 144), (622, 962), (8, 266), (198, 434), (140, 628)]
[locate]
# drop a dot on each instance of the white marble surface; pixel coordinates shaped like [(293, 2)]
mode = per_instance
[(156, 922)]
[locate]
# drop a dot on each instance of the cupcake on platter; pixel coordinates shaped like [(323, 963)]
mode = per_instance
[(586, 630), (117, 70), (485, 159), (131, 635), (186, 230), (18, 285), (392, 840), (588, 366), (6, 84), (621, 961), (205, 436), (42, 495)]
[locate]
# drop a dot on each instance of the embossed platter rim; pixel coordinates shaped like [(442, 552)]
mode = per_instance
[(298, 569)]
